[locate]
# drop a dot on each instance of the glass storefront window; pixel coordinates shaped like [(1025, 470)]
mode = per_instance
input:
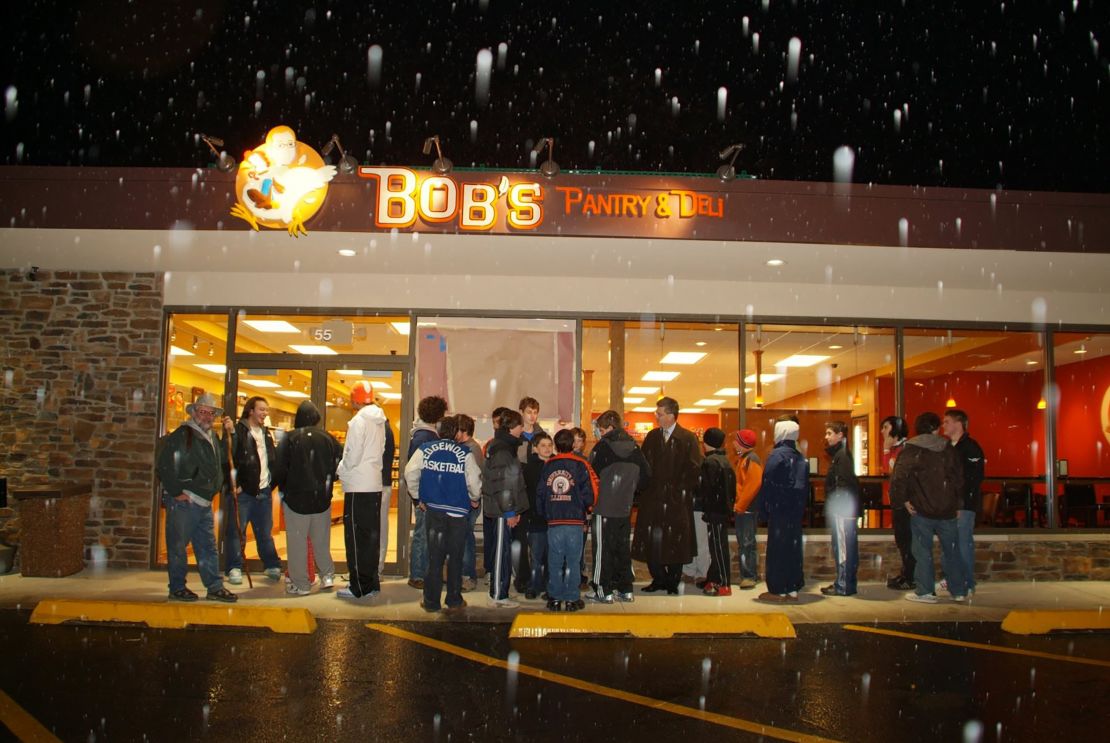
[(1082, 376), (628, 365), (322, 335)]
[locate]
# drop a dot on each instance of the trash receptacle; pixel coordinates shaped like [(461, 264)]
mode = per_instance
[(52, 529)]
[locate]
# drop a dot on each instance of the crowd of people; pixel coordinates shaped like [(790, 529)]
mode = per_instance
[(545, 503)]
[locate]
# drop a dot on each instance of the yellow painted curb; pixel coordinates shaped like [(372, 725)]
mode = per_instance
[(174, 615), (543, 624), (1042, 621)]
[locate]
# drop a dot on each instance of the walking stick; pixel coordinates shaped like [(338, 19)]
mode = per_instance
[(242, 531)]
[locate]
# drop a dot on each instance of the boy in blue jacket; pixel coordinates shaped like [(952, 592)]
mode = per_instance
[(564, 495)]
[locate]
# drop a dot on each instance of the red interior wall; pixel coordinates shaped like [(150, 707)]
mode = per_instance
[(1083, 422)]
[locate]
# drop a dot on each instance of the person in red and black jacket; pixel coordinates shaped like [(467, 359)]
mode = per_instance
[(566, 492)]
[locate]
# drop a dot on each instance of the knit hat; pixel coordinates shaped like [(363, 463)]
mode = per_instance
[(746, 438), (786, 431), (713, 437)]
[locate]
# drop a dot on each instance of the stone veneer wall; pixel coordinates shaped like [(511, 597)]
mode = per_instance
[(80, 355), (1036, 554)]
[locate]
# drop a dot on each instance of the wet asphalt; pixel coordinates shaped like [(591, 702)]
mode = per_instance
[(349, 682)]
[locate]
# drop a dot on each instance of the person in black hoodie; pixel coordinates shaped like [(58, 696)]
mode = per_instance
[(305, 466), (717, 487), (622, 471), (841, 510), (535, 526)]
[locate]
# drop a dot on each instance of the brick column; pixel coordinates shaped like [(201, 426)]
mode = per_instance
[(79, 368)]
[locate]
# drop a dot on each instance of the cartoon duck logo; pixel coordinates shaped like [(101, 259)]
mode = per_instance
[(281, 184)]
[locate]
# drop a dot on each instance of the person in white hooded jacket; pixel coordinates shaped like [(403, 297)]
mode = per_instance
[(360, 472)]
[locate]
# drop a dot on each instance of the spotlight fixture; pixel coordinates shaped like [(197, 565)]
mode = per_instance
[(728, 172), (347, 164), (549, 168), (224, 162), (441, 165), (196, 342)]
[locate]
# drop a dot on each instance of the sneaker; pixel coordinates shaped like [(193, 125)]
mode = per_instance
[(959, 598), (417, 583), (599, 597), (327, 581), (900, 583), (469, 584), (922, 598), (723, 591), (429, 609), (709, 588), (273, 573), (747, 584), (222, 594), (626, 596), (235, 576), (554, 605), (943, 585), (183, 594), (503, 603), (347, 593), (771, 598), (701, 583), (292, 590), (829, 590)]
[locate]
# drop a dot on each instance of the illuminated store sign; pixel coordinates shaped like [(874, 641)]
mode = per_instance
[(281, 183)]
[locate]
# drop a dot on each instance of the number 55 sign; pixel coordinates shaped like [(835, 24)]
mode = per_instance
[(338, 332)]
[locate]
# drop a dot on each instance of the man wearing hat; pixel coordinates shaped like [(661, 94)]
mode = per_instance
[(362, 471), (749, 478), (717, 486), (190, 467)]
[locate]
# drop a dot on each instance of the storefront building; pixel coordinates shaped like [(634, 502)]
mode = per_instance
[(126, 293)]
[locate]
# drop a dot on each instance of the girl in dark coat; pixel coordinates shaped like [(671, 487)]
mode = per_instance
[(783, 501)]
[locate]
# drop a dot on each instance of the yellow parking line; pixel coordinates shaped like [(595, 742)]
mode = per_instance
[(977, 645), (23, 726), (557, 678)]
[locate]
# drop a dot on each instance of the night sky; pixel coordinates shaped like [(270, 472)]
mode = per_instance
[(979, 94)]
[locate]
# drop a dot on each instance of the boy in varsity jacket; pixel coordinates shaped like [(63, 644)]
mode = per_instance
[(566, 491), (444, 476)]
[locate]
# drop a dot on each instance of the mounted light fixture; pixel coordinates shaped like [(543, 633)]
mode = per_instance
[(728, 172), (549, 168), (347, 164), (441, 165), (224, 162)]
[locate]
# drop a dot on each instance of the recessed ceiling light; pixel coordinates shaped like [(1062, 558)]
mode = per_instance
[(402, 327), (347, 252), (348, 372), (728, 392), (1081, 350), (835, 347), (314, 350), (179, 351), (263, 383), (643, 390), (643, 410), (801, 360), (634, 400), (388, 395), (682, 357), (1030, 362), (693, 410), (660, 376), (272, 326), (765, 378), (776, 262), (709, 402), (699, 344), (296, 394), (214, 368)]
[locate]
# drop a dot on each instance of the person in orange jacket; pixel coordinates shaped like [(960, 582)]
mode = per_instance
[(749, 478)]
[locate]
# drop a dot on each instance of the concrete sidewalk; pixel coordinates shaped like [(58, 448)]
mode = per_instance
[(397, 602)]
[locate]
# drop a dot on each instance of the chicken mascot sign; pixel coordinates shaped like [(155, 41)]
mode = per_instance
[(281, 184)]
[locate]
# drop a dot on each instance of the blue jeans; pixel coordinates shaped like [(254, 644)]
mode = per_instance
[(923, 529), (746, 546), (418, 557), (537, 545), (469, 564), (256, 512), (845, 553), (965, 545), (564, 547), (188, 523)]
